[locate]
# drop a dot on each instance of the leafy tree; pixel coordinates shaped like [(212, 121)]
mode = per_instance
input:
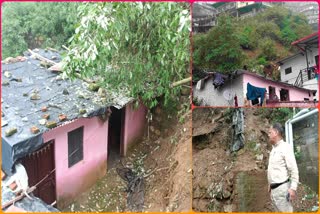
[(138, 48), (219, 48), (36, 25)]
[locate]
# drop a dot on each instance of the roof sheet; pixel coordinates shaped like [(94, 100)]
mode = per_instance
[(24, 80)]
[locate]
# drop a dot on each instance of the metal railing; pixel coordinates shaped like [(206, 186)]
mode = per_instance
[(305, 75)]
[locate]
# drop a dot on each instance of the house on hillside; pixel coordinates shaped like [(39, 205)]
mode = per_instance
[(301, 69), (241, 9), (203, 17), (302, 134), (62, 128), (244, 88)]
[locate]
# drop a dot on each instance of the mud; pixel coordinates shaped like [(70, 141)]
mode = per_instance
[(234, 182)]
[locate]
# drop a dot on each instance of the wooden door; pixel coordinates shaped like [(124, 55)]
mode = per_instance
[(38, 165)]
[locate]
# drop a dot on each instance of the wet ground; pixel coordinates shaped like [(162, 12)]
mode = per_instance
[(165, 157)]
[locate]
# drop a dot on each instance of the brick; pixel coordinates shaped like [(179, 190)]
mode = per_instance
[(34, 130), (51, 124), (13, 186), (46, 116), (62, 117), (44, 109)]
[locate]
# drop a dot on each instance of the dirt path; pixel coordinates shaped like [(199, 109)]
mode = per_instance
[(166, 155), (226, 182)]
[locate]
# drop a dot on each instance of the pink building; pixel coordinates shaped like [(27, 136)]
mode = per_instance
[(89, 130), (277, 94)]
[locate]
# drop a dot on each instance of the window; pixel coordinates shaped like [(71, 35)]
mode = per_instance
[(284, 95), (272, 94), (288, 70), (75, 146)]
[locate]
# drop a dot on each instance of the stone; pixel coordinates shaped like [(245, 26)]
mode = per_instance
[(257, 147), (34, 130), (54, 57), (226, 193), (25, 94), (34, 96), (46, 116), (51, 124), (259, 157), (5, 83), (93, 87), (157, 132), (42, 121), (25, 119), (227, 208), (10, 131), (102, 92), (44, 108), (65, 92), (82, 111), (7, 74), (62, 117), (44, 64)]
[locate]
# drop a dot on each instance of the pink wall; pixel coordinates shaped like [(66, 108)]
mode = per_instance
[(70, 182), (293, 104), (134, 124), (295, 94)]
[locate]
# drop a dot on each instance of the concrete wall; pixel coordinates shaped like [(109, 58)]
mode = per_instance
[(297, 63), (135, 123), (305, 134), (215, 97), (70, 182), (295, 94)]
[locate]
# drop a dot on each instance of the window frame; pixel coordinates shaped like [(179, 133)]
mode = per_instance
[(75, 147)]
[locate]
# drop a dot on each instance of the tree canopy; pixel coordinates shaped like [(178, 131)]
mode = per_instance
[(137, 48), (254, 41), (36, 25)]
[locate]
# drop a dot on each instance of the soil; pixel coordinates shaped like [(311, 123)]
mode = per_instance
[(233, 182), (165, 153)]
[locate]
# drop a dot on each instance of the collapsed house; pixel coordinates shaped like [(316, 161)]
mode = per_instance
[(63, 129), (244, 88)]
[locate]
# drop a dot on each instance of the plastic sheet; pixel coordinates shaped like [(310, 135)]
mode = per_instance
[(28, 79)]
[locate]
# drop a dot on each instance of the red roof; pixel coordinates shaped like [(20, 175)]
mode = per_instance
[(304, 38)]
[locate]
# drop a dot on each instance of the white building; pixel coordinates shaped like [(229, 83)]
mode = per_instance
[(300, 69)]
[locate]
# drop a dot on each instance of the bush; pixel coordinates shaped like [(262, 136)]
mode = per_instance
[(267, 49)]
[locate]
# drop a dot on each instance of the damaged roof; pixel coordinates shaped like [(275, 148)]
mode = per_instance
[(34, 205), (34, 100)]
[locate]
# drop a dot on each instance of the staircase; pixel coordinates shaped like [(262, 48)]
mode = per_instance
[(304, 75)]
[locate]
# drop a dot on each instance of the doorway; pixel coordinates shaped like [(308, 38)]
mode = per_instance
[(115, 136), (38, 165)]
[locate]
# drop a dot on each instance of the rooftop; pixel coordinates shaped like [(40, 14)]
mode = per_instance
[(35, 100)]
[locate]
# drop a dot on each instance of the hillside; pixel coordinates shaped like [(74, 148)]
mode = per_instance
[(225, 181), (254, 43)]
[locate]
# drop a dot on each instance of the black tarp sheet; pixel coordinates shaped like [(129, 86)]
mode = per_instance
[(59, 94)]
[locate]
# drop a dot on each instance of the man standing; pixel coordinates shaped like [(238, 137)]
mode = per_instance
[(283, 175)]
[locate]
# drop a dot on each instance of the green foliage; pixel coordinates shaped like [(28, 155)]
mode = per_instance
[(219, 48), (267, 49), (138, 48), (266, 36), (36, 25), (279, 115)]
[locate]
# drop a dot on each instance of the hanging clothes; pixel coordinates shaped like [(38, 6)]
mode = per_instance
[(255, 93)]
